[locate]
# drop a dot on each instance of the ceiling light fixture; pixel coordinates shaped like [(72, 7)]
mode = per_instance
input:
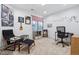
[(65, 4), (45, 12), (43, 4), (32, 9)]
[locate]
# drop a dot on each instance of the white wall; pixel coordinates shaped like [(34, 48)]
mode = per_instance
[(0, 26), (27, 29), (59, 19)]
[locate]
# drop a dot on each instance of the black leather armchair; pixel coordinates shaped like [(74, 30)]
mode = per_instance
[(7, 34)]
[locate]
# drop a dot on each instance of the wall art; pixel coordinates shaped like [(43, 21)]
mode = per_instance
[(27, 20), (21, 19), (7, 18)]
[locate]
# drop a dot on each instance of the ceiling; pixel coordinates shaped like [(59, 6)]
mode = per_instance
[(43, 10)]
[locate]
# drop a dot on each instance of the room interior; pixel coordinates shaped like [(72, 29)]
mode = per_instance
[(36, 29)]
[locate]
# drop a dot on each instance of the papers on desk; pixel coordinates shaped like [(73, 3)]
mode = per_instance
[(14, 38)]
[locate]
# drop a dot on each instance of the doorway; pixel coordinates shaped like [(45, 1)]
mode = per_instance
[(37, 27)]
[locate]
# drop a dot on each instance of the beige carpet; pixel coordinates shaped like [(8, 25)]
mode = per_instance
[(43, 46)]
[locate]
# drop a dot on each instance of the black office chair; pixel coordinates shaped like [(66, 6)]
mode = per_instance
[(62, 34)]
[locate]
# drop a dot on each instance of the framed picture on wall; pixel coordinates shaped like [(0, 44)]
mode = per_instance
[(27, 20), (49, 25), (21, 19), (7, 18)]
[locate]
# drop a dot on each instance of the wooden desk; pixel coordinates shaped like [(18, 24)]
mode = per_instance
[(75, 45)]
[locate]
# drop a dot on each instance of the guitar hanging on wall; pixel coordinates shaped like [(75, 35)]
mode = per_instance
[(21, 27)]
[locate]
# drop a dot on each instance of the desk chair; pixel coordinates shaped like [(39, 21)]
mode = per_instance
[(61, 34)]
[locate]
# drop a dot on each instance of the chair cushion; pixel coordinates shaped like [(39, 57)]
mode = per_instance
[(28, 41)]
